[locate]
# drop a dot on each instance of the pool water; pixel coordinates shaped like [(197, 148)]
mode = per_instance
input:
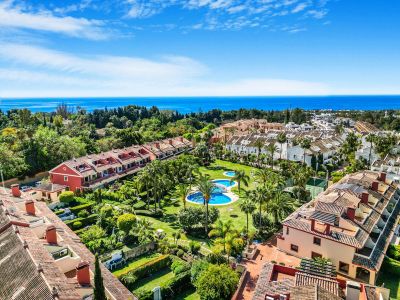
[(230, 173), (225, 182), (216, 198)]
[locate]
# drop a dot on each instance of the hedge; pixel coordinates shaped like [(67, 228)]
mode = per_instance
[(391, 266), (85, 221), (146, 269), (394, 252), (78, 208)]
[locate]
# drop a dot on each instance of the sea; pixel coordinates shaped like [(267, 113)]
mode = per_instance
[(197, 104)]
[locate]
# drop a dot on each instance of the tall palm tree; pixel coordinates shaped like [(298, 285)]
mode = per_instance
[(241, 177), (271, 148), (281, 206), (370, 138), (206, 188), (282, 138), (183, 191), (229, 243), (262, 176), (221, 229), (259, 144), (248, 207), (305, 144)]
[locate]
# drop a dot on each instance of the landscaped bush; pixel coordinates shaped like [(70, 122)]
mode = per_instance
[(391, 266), (180, 253), (394, 252), (76, 225), (197, 268), (67, 197), (195, 216), (144, 270), (78, 208), (179, 265), (83, 213), (217, 282), (85, 221), (194, 247)]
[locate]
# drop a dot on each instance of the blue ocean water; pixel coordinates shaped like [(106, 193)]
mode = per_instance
[(195, 104)]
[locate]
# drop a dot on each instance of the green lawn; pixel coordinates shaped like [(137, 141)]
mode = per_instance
[(137, 262), (232, 212), (156, 279), (391, 282)]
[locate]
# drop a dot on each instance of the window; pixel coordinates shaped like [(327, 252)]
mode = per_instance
[(315, 255), (343, 267), (294, 248), (65, 178), (317, 241)]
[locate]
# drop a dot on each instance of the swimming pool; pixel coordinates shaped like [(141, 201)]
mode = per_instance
[(225, 182), (230, 173), (218, 197)]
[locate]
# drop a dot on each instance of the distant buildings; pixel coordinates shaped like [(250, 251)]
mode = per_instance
[(322, 144), (41, 258), (365, 127), (352, 224), (96, 170)]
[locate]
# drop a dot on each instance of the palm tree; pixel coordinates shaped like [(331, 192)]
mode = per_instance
[(229, 242), (183, 191), (241, 177), (248, 207), (282, 138), (370, 138), (259, 144), (262, 176), (144, 231), (281, 206), (271, 148), (206, 188), (305, 144)]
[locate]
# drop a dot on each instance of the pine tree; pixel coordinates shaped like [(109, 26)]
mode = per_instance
[(99, 292)]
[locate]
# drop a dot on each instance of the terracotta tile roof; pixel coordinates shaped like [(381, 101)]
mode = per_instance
[(312, 292), (330, 285)]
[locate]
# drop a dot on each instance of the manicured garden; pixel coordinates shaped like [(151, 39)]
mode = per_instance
[(389, 275)]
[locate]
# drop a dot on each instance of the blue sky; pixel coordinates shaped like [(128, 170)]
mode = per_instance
[(199, 47)]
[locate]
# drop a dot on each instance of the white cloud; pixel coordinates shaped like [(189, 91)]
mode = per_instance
[(35, 71), (15, 17)]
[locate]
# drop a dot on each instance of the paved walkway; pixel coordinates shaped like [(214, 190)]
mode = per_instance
[(267, 252)]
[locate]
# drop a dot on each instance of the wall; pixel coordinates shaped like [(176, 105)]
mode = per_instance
[(26, 180), (329, 249)]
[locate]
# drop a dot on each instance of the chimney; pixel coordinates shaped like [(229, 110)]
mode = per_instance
[(312, 224), (181, 139), (328, 229), (353, 290), (374, 186), (15, 190), (51, 234), (82, 273), (30, 207), (158, 145), (382, 177), (364, 198), (170, 141), (351, 213)]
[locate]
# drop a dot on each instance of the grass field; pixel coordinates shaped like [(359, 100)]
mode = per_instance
[(232, 211), (189, 295), (156, 279)]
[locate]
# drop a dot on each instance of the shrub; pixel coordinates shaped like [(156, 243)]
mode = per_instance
[(85, 221), (394, 252), (195, 216), (197, 268), (77, 225), (139, 205), (83, 213), (178, 266), (149, 213), (217, 282), (66, 197), (391, 266), (194, 247), (180, 253), (85, 206), (125, 222)]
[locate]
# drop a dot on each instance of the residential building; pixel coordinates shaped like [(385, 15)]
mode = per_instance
[(365, 127), (41, 258), (322, 144), (352, 224), (96, 170), (278, 282), (48, 191)]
